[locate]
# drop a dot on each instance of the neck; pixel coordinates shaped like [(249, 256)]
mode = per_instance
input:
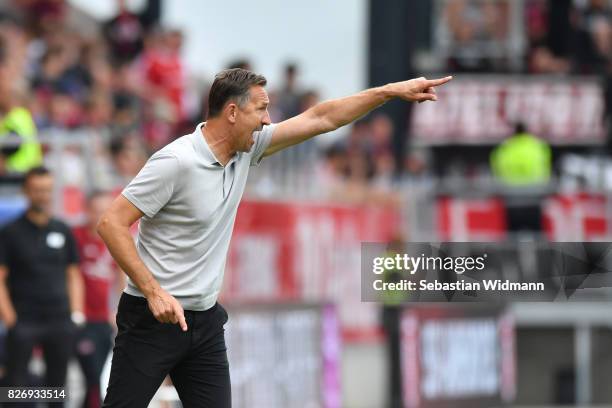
[(37, 217), (219, 141)]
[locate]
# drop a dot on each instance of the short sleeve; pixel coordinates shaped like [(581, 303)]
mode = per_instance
[(72, 250), (262, 141), (154, 185)]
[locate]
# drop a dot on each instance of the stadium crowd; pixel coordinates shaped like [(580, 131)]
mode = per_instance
[(126, 80)]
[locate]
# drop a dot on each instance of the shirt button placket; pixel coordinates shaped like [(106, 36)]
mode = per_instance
[(228, 175)]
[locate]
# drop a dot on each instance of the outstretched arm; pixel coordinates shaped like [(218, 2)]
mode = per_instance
[(330, 115)]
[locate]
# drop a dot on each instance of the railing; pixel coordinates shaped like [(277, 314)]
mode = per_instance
[(76, 158), (287, 175)]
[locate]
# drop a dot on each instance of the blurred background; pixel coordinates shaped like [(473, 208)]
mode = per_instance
[(516, 149)]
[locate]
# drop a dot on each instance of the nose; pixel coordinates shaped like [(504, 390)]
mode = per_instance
[(266, 119)]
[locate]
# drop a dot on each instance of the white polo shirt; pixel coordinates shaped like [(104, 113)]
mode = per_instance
[(190, 203)]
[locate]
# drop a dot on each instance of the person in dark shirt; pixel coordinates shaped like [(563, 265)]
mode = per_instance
[(126, 31), (41, 294)]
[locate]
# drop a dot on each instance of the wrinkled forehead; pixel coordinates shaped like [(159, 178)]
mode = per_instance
[(258, 95)]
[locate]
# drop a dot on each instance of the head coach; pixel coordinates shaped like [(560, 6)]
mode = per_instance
[(187, 195)]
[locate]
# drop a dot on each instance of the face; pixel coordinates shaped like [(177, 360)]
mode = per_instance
[(96, 207), (39, 192), (251, 118)]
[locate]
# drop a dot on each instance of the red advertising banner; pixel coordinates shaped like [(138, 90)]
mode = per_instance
[(484, 110), (307, 253), (565, 217), (471, 219), (577, 217)]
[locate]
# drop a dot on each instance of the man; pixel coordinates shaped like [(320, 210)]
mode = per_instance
[(523, 165), (19, 146), (187, 196), (100, 277), (522, 160), (40, 286)]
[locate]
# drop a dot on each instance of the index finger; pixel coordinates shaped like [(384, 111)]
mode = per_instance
[(182, 322), (439, 81), (178, 312)]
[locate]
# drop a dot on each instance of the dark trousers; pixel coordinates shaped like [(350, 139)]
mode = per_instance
[(93, 344), (56, 337), (527, 218), (146, 351), (391, 323)]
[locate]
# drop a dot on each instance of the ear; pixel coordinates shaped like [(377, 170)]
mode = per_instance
[(231, 112)]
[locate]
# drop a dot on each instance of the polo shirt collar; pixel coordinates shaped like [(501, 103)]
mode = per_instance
[(202, 146), (205, 150)]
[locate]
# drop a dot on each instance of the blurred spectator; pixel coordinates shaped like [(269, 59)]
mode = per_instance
[(126, 31), (359, 138), (95, 63), (360, 170), (478, 32), (289, 96), (358, 188), (38, 260), (241, 63), (594, 37), (522, 164), (540, 57), (560, 33), (98, 110), (308, 99), (417, 166), (522, 160), (306, 151), (24, 152), (14, 55), (127, 103), (330, 174), (381, 133), (536, 20), (128, 157), (64, 111), (100, 274), (58, 86), (384, 168), (43, 16), (541, 60), (163, 70)]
